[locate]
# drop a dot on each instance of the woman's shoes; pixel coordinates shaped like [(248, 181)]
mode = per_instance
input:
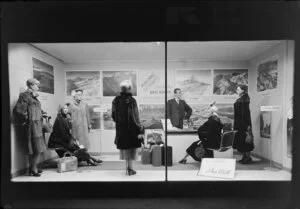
[(90, 162), (40, 170), (98, 161), (130, 172), (247, 160), (31, 172), (241, 160), (183, 161)]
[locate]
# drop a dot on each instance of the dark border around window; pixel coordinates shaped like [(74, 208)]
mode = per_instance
[(104, 22)]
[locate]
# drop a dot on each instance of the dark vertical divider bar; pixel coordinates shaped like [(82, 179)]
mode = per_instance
[(166, 106), (295, 139)]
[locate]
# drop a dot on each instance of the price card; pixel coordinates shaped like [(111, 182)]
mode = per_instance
[(218, 167)]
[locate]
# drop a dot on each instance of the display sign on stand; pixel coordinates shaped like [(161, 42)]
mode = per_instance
[(265, 130), (217, 167)]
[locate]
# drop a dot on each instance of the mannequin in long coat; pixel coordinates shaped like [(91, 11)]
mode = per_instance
[(80, 119), (242, 123), (29, 114), (128, 127)]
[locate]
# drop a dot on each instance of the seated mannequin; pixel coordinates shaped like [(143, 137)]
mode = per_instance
[(209, 134), (61, 138)]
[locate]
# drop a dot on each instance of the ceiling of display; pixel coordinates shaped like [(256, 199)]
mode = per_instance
[(154, 51)]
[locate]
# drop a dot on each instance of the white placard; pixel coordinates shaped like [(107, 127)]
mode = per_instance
[(218, 167), (169, 124), (270, 108)]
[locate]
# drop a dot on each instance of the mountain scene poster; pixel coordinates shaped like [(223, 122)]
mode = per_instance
[(88, 81), (194, 83), (151, 115), (43, 72), (265, 124), (112, 80), (267, 75), (227, 80)]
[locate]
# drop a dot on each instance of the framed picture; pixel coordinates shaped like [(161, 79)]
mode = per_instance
[(265, 124), (194, 83), (44, 73), (88, 81), (227, 80), (151, 115), (267, 74), (112, 80)]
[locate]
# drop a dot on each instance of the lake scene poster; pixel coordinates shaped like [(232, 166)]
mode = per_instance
[(151, 115), (88, 81), (194, 83), (227, 80), (44, 73), (112, 80)]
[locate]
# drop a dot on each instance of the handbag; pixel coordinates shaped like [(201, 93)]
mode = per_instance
[(200, 151), (66, 164), (47, 126), (249, 138)]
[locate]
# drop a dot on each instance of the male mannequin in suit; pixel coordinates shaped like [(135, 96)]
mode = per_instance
[(178, 109)]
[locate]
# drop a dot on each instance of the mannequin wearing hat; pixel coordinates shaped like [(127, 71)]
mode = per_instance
[(29, 114), (209, 134), (81, 122)]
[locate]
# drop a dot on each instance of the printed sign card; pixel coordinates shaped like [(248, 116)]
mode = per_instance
[(218, 167)]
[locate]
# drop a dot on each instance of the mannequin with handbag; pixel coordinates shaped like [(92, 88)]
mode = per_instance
[(210, 137), (243, 141), (61, 138)]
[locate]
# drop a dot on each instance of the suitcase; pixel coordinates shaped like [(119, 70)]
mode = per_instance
[(66, 164), (146, 156), (169, 155), (156, 155)]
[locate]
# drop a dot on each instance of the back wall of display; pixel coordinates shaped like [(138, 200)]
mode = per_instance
[(150, 92)]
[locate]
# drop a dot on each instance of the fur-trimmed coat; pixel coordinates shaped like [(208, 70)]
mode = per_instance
[(126, 116), (29, 115), (242, 122), (210, 132)]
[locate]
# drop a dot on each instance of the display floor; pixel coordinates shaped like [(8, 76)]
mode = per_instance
[(112, 169)]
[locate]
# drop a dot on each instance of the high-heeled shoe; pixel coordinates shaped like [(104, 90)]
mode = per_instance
[(247, 160), (98, 161), (89, 162), (241, 160), (33, 173), (183, 161), (130, 172)]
